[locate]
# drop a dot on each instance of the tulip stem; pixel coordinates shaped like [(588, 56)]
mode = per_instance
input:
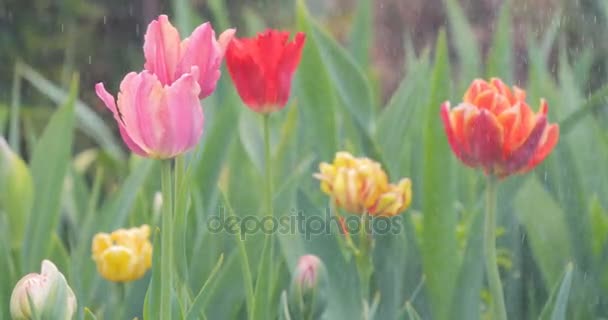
[(269, 191), (492, 273), (166, 283), (364, 258)]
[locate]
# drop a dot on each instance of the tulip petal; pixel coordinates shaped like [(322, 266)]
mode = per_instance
[(485, 136), (225, 38), (504, 90), (548, 142), (106, 97), (162, 49), (521, 156), (127, 101), (477, 86), (203, 51), (184, 112), (290, 59), (510, 121), (246, 74), (108, 100), (453, 126)]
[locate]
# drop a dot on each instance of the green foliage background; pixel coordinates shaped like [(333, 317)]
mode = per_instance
[(554, 223)]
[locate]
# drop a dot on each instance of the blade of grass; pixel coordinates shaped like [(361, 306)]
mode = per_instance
[(439, 238), (50, 161), (199, 303)]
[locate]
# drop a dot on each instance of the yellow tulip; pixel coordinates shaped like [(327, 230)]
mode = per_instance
[(123, 255)]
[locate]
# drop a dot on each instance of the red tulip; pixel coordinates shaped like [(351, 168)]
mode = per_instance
[(495, 129), (262, 68)]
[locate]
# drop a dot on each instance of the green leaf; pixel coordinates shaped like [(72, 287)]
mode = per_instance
[(599, 225), (596, 100), (500, 56), (183, 12), (399, 119), (8, 276), (151, 303), (16, 192), (264, 282), (246, 269), (220, 14), (411, 312), (346, 76), (49, 165), (558, 300), (250, 132), (465, 42), (361, 33), (210, 157), (89, 315), (545, 227), (439, 239), (314, 95), (467, 298), (86, 119), (199, 303)]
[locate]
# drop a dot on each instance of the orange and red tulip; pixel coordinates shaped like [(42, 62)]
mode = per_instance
[(494, 129)]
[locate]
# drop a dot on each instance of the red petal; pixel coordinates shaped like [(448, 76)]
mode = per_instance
[(455, 137), (502, 88), (522, 156), (485, 136), (549, 141), (476, 87)]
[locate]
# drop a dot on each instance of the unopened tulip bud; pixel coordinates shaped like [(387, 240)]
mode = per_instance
[(45, 290), (308, 291)]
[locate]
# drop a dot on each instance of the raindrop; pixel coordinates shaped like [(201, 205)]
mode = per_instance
[(90, 60), (137, 29), (62, 27), (130, 10), (104, 19)]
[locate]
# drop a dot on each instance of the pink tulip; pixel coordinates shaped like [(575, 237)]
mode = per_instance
[(156, 119), (169, 58)]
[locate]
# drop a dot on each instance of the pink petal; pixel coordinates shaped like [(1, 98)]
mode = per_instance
[(185, 115), (108, 99), (225, 38), (135, 112), (202, 50), (130, 143), (162, 49)]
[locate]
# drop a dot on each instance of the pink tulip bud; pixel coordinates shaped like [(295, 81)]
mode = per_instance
[(307, 298)]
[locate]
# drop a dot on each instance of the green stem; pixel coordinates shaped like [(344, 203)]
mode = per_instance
[(489, 234), (121, 293), (364, 258), (268, 195), (245, 268), (180, 218), (166, 283)]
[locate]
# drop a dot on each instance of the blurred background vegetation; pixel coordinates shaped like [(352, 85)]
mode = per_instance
[(556, 49), (103, 38)]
